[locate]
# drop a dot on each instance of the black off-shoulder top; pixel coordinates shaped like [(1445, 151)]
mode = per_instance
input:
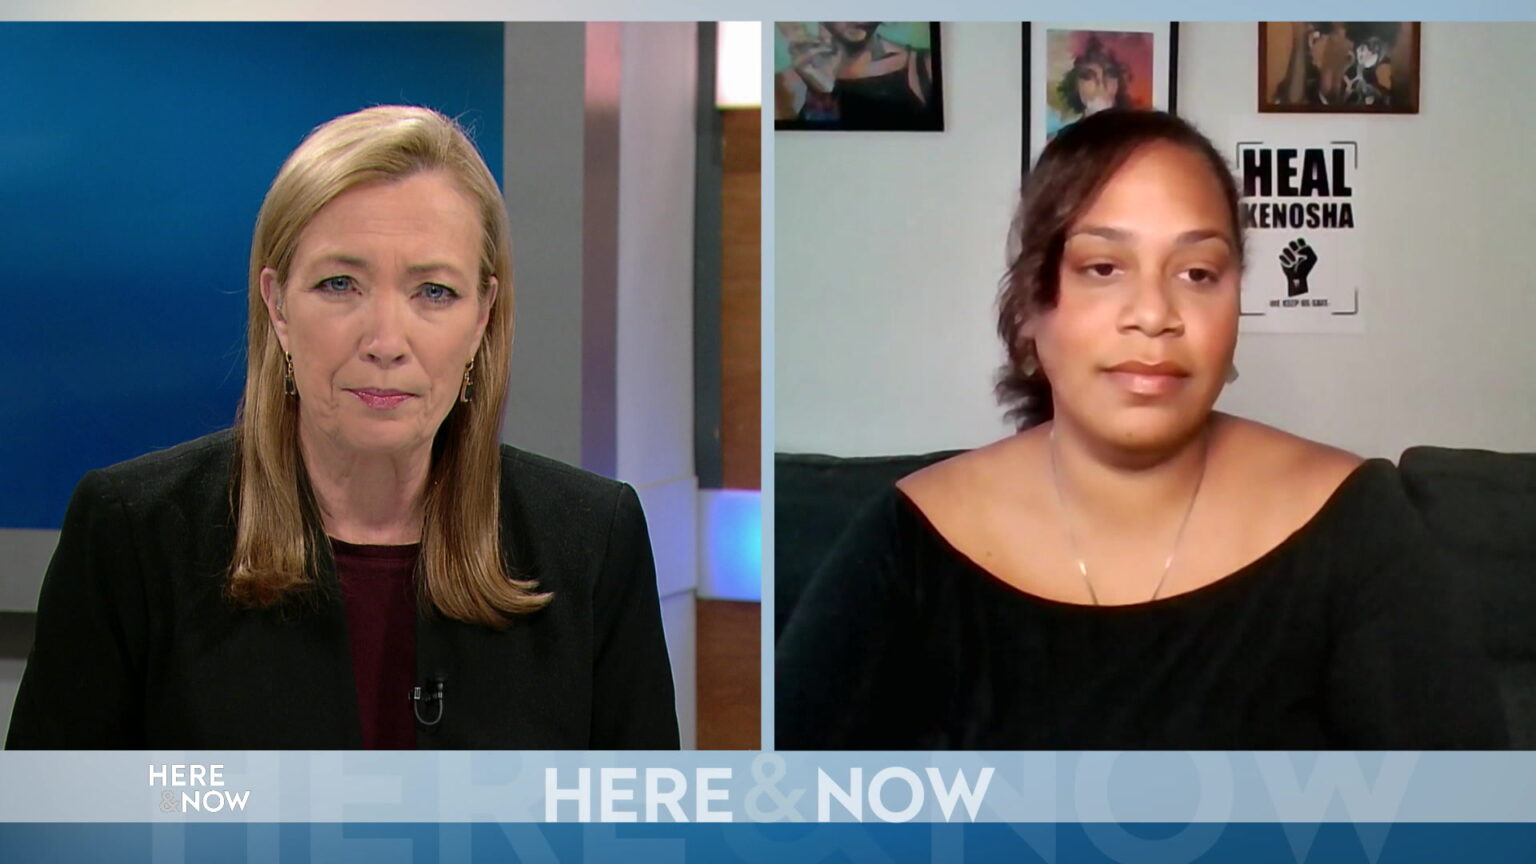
[(1350, 634)]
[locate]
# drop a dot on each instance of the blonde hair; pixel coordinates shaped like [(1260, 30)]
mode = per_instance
[(461, 571)]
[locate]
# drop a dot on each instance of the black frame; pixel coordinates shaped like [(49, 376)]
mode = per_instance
[(1412, 91), (937, 107)]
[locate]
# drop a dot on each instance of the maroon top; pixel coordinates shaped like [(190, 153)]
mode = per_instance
[(379, 588)]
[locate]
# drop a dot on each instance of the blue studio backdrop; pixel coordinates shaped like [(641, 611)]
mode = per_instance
[(133, 161)]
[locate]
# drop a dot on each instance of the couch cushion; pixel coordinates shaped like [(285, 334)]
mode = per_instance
[(1481, 506), (815, 497)]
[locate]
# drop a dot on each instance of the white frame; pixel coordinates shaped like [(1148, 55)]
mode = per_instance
[(1164, 68)]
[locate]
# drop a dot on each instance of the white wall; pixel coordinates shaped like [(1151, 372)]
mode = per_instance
[(890, 248), (599, 180), (654, 386), (1448, 356), (543, 178)]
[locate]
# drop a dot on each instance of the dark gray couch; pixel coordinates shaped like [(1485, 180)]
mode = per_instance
[(1481, 505)]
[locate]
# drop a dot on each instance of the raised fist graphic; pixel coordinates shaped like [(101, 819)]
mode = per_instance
[(1297, 260)]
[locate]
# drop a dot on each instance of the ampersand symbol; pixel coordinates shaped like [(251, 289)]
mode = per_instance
[(168, 801), (768, 769), (1297, 260)]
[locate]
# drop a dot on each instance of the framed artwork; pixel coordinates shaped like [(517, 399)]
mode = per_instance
[(1347, 67), (858, 75), (1073, 70)]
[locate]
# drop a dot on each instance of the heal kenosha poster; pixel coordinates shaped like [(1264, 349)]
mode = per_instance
[(1302, 211)]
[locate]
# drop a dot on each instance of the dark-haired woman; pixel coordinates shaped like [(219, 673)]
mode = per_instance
[(1132, 569)]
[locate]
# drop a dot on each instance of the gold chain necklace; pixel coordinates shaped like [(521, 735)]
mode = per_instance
[(1077, 553)]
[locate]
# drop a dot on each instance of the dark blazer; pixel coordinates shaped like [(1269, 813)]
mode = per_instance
[(136, 646)]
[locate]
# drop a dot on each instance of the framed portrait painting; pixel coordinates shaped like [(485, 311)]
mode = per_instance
[(1073, 70), (1348, 67), (858, 75)]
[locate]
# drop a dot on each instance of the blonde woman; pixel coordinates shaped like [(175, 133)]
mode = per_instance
[(359, 562)]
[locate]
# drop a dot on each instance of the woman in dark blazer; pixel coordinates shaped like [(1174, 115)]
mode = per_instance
[(359, 562)]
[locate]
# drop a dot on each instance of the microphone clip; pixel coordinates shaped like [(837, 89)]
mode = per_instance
[(419, 695)]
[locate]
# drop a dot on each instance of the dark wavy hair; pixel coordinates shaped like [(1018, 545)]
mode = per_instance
[(1071, 171)]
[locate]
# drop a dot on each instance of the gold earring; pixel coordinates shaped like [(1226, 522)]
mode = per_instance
[(467, 389), (289, 387)]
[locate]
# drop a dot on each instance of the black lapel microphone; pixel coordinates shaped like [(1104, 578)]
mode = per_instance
[(419, 695)]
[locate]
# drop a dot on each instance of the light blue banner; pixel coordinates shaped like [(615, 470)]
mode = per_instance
[(510, 787)]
